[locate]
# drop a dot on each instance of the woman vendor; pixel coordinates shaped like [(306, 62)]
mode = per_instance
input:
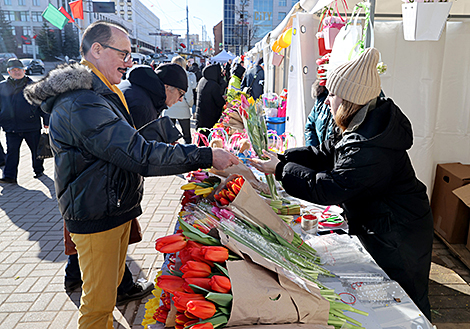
[(370, 174)]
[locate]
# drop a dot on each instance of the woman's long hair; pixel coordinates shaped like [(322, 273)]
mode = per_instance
[(345, 114)]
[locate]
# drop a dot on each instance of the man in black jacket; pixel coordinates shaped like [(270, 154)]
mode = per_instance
[(253, 81), (210, 102), (20, 121), (100, 161)]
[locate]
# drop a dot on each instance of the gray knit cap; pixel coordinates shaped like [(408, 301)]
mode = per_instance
[(356, 81)]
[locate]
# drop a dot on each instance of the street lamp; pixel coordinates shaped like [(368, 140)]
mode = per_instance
[(202, 30)]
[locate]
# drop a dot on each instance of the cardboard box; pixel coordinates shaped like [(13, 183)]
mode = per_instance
[(451, 214), (463, 193)]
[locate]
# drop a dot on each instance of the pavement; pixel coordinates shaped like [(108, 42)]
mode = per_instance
[(32, 261)]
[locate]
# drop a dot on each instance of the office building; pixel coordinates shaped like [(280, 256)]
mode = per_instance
[(246, 22)]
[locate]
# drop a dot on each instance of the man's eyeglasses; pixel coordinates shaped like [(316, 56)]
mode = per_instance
[(127, 55), (181, 92)]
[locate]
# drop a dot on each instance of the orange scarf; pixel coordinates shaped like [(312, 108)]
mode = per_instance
[(113, 88)]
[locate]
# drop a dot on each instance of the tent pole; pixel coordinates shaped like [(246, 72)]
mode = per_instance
[(372, 14)]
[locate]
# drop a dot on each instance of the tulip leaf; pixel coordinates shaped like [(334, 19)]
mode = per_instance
[(222, 269), (224, 310), (196, 235), (223, 300), (199, 290), (233, 257), (176, 273), (217, 320)]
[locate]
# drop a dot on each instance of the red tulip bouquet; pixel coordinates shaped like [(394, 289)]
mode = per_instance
[(199, 286)]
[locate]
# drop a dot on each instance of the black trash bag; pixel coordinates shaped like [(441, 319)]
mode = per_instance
[(44, 147)]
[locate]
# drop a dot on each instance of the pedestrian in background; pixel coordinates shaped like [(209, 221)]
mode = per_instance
[(253, 81), (100, 161), (320, 123), (197, 72), (234, 85), (2, 153), (145, 94), (181, 111), (20, 121), (228, 70), (210, 102)]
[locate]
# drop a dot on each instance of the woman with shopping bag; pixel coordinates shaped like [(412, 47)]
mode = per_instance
[(370, 174)]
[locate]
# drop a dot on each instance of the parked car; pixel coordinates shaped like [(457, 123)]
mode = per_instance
[(4, 57), (33, 66)]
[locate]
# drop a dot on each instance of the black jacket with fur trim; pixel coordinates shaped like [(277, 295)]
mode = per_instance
[(99, 157)]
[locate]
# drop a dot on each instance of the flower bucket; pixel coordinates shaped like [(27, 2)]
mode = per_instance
[(277, 59), (424, 20), (276, 124)]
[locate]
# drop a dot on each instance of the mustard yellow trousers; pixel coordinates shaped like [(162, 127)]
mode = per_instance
[(102, 259)]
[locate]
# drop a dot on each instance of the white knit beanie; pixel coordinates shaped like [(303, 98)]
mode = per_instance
[(356, 81)]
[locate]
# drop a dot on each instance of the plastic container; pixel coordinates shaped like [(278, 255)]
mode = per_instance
[(309, 224), (276, 124)]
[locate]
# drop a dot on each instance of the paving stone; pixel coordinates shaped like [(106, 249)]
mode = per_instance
[(443, 275), (450, 315), (39, 316), (62, 319), (23, 297), (35, 325), (11, 320), (57, 302), (41, 302), (25, 285), (15, 307)]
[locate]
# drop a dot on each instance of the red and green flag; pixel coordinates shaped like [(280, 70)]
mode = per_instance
[(54, 16)]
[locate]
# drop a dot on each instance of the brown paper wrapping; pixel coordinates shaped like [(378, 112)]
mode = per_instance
[(263, 297), (250, 204), (242, 169), (262, 293)]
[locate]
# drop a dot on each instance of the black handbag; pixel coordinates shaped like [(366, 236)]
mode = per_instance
[(44, 147), (161, 130)]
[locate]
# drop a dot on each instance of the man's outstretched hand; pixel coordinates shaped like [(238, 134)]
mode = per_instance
[(222, 159)]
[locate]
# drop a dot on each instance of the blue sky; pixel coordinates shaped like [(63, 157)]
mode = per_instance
[(172, 14)]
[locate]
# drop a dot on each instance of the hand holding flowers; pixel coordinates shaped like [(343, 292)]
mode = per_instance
[(266, 166)]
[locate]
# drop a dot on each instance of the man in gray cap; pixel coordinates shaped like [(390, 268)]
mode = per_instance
[(20, 121)]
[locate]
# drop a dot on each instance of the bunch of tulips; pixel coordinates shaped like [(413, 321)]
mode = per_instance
[(200, 185), (200, 288), (230, 191), (253, 120)]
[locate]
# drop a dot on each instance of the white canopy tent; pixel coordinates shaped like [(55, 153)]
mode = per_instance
[(428, 80), (222, 57)]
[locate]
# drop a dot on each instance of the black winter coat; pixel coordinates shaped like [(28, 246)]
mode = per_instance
[(368, 172), (99, 158), (210, 103), (16, 114), (254, 77), (145, 95)]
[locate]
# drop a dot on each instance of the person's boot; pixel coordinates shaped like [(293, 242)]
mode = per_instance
[(140, 289), (70, 286)]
